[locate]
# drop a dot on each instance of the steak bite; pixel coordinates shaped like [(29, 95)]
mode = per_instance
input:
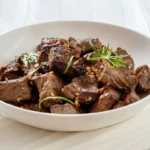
[(44, 67), (45, 46), (2, 69), (28, 62), (40, 80), (34, 107), (15, 90), (59, 58), (82, 89), (143, 75), (12, 71), (83, 45), (96, 78), (64, 109), (130, 98), (121, 78), (107, 99), (89, 79), (22, 66), (51, 42), (119, 104), (49, 85), (127, 99), (127, 60)]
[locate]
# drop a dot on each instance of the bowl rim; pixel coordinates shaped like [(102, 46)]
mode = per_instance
[(75, 115), (77, 21)]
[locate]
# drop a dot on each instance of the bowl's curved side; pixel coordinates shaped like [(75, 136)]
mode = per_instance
[(26, 39), (72, 122)]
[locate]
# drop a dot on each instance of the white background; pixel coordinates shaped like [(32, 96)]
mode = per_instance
[(133, 134)]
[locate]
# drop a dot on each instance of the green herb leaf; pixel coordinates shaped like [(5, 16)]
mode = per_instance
[(68, 65), (54, 97), (105, 53), (33, 72), (94, 58), (118, 62), (88, 57), (120, 56), (29, 58), (95, 49)]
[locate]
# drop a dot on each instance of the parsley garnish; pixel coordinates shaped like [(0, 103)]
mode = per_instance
[(29, 58)]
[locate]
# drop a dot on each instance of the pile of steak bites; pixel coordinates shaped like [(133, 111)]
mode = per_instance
[(60, 70)]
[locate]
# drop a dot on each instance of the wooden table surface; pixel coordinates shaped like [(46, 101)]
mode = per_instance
[(133, 134)]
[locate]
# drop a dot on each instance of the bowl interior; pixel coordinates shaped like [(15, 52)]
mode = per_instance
[(26, 39)]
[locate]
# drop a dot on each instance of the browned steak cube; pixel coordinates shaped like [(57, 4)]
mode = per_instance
[(46, 45), (83, 45), (34, 107), (143, 75), (12, 71), (44, 67), (119, 104), (107, 100), (127, 99), (121, 78), (130, 98), (82, 88), (40, 80), (128, 59), (45, 42), (2, 69), (51, 42), (64, 109), (49, 85), (59, 58), (43, 54), (15, 90)]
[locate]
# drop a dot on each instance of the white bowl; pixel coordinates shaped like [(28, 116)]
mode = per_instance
[(27, 38)]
